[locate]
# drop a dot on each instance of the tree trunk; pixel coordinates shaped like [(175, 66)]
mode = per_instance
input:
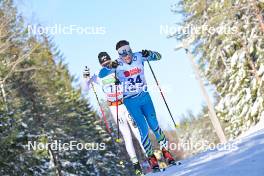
[(212, 113), (3, 94), (55, 160)]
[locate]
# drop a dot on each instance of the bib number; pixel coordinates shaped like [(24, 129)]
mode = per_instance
[(136, 80)]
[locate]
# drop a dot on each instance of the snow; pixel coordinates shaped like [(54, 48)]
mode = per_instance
[(259, 126), (246, 158)]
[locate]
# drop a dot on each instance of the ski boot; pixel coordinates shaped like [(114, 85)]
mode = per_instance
[(168, 157), (138, 170), (153, 162)]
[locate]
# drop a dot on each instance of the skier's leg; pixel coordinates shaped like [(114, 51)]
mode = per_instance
[(125, 131), (149, 111), (134, 129), (133, 106), (150, 114)]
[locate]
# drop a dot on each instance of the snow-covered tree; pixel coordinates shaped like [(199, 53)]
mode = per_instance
[(229, 46), (38, 103)]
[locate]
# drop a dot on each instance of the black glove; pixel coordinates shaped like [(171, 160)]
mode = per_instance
[(114, 64), (117, 82), (86, 72), (145, 53)]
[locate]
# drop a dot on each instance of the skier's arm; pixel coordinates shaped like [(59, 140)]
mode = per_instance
[(105, 72), (93, 79), (109, 69), (154, 56), (150, 55), (88, 81)]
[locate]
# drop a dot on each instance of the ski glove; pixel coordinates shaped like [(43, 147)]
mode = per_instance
[(145, 53), (117, 82), (114, 64)]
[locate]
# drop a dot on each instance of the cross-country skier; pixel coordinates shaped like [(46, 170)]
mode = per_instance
[(129, 69), (108, 84)]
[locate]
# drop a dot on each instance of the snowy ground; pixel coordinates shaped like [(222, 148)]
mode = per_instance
[(246, 160)]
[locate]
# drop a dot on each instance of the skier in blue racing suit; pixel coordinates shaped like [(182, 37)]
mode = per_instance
[(129, 70)]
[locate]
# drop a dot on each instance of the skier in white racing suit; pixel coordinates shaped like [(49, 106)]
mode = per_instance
[(108, 84)]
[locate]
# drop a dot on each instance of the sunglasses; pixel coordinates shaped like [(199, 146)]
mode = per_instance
[(125, 52)]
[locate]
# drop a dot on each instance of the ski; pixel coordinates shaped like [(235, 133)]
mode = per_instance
[(175, 163)]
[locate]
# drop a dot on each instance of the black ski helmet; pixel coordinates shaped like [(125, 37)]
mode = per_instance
[(103, 57)]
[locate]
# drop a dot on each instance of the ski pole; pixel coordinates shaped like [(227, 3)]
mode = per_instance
[(163, 97), (99, 104), (117, 115)]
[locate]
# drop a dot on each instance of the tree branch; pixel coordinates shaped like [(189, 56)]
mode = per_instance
[(18, 61)]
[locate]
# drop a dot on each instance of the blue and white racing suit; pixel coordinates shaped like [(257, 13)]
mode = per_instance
[(136, 98)]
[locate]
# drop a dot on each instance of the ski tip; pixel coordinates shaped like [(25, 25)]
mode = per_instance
[(175, 163), (162, 169)]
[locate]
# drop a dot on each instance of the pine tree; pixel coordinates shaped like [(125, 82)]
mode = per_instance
[(40, 104), (230, 54)]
